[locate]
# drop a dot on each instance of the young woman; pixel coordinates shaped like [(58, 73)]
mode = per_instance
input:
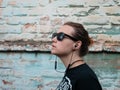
[(70, 44)]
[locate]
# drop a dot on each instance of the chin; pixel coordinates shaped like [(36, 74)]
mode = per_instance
[(52, 52)]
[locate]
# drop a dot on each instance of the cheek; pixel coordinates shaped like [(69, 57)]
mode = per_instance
[(62, 48), (65, 48)]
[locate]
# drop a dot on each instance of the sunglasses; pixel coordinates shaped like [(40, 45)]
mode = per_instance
[(60, 36)]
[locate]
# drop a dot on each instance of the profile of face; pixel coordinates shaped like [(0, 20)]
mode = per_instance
[(63, 41)]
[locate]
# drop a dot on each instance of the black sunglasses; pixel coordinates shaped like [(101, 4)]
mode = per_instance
[(60, 36)]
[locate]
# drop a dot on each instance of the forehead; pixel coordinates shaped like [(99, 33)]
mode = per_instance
[(66, 29)]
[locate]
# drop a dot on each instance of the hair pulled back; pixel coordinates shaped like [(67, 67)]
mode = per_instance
[(81, 34)]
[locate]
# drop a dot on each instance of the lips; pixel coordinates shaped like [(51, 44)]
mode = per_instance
[(53, 46)]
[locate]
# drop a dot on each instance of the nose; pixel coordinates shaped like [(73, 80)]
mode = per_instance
[(54, 39)]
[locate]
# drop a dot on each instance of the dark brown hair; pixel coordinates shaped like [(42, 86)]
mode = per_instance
[(82, 35)]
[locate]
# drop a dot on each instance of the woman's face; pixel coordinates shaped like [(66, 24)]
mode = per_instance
[(65, 46)]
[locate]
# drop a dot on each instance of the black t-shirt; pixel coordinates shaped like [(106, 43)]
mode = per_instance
[(81, 77)]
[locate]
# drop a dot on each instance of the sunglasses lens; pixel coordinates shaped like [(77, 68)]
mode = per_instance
[(60, 36)]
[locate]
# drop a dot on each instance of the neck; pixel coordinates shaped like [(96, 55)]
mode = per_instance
[(76, 63), (71, 58), (65, 59)]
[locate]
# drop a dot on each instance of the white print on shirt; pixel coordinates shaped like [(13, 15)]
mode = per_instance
[(65, 84)]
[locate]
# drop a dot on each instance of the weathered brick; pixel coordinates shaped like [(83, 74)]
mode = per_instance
[(3, 56), (72, 18), (45, 2), (28, 56), (83, 11), (97, 11), (117, 2), (3, 3), (7, 12), (113, 10), (20, 11), (29, 3), (111, 46), (103, 37), (2, 21), (42, 37), (115, 29), (56, 21), (42, 11), (45, 29), (10, 29), (26, 36), (11, 37), (54, 3), (98, 43), (37, 11), (115, 38), (2, 37), (92, 2), (29, 28), (116, 88), (76, 2), (6, 72), (44, 20), (64, 11), (73, 11), (97, 46), (6, 63), (13, 3), (100, 27), (95, 19), (12, 20), (15, 37), (0, 12), (31, 20), (105, 42), (99, 3), (115, 20), (25, 45)]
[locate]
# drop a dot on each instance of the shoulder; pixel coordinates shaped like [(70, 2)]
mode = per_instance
[(84, 71), (87, 74)]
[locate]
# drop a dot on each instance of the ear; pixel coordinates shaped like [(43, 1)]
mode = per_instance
[(77, 45)]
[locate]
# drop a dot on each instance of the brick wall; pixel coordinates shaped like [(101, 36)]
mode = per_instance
[(26, 21), (35, 70), (27, 25)]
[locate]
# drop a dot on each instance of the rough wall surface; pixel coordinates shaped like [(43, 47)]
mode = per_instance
[(27, 25), (35, 71), (24, 23)]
